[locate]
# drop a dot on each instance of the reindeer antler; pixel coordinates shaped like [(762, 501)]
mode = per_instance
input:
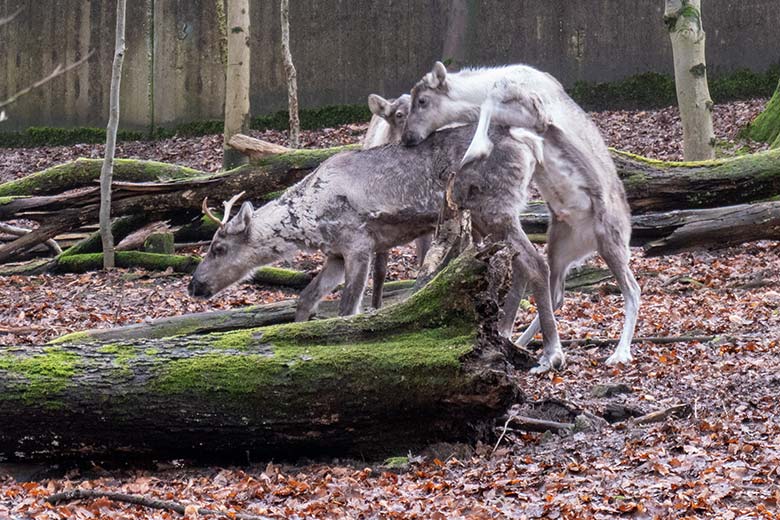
[(228, 206)]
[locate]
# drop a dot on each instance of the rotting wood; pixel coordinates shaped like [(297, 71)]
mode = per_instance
[(432, 368)]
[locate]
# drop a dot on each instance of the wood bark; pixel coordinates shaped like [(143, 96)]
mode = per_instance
[(433, 368), (684, 21), (290, 75), (723, 227), (237, 79), (106, 173)]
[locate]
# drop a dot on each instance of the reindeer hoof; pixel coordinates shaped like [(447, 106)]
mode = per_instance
[(555, 362), (620, 357)]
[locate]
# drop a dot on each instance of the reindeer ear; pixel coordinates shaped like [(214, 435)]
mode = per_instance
[(241, 222), (438, 75), (378, 105)]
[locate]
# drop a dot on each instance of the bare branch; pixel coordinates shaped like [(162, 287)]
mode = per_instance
[(10, 18), (20, 231), (59, 70)]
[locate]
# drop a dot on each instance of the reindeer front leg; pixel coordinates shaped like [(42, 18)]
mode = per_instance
[(323, 284)]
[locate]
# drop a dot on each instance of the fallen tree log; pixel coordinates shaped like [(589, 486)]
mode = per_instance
[(722, 227), (581, 279), (672, 232), (430, 369), (224, 320), (661, 186), (650, 186)]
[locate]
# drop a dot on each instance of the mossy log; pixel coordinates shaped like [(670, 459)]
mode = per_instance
[(582, 279), (226, 320), (766, 126), (432, 368), (86, 172), (650, 186), (149, 261)]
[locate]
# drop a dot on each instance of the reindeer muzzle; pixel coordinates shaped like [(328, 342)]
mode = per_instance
[(198, 289)]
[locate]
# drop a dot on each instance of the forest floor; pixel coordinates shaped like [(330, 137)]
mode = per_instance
[(719, 460)]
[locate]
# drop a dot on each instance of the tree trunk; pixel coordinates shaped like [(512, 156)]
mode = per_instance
[(106, 173), (684, 21), (290, 75), (433, 368), (766, 127), (237, 80)]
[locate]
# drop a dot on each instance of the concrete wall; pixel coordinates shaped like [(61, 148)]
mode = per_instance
[(344, 49)]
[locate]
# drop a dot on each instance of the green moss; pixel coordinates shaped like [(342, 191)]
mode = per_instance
[(435, 354), (396, 463), (236, 340), (43, 375), (84, 172), (81, 263), (6, 200), (766, 127), (302, 159), (282, 277), (667, 164), (152, 351), (397, 285), (73, 337)]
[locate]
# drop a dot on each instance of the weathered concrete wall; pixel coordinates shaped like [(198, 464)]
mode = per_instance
[(344, 49)]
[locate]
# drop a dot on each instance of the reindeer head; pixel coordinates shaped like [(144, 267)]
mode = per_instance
[(431, 107), (393, 111), (230, 257)]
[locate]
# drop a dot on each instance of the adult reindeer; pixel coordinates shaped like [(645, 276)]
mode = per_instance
[(358, 202), (576, 176)]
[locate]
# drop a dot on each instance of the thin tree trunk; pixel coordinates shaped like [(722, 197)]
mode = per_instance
[(237, 80), (683, 19), (113, 122), (292, 78)]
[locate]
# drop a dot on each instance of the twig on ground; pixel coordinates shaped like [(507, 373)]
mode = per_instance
[(679, 410), (531, 424), (78, 494), (503, 433)]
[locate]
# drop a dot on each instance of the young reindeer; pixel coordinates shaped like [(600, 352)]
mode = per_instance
[(358, 202), (386, 126), (576, 176)]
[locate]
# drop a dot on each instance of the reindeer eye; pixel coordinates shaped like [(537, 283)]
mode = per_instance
[(399, 114), (422, 102), (218, 250)]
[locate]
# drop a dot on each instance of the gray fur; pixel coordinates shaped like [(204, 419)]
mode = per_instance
[(355, 203), (386, 127)]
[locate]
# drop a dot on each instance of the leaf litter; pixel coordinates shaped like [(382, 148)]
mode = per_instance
[(720, 461)]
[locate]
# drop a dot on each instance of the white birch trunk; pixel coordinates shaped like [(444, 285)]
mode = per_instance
[(106, 173), (236, 80), (684, 21), (290, 74)]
